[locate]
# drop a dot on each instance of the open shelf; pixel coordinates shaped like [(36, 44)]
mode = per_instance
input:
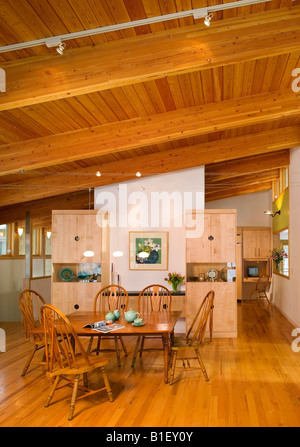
[(199, 272), (81, 272)]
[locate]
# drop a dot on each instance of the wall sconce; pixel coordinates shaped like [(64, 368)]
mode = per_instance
[(48, 234), (271, 213), (20, 231)]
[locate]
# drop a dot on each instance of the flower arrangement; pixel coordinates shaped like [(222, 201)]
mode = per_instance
[(174, 279), (277, 256)]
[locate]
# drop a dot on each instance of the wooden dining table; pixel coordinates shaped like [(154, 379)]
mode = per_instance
[(160, 323)]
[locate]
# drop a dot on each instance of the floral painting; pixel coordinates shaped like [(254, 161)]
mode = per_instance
[(148, 251)]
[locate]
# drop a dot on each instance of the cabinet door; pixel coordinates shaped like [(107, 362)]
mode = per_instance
[(73, 234), (225, 306), (72, 297), (225, 309), (198, 249), (223, 231), (195, 293), (263, 242), (249, 244), (256, 243)]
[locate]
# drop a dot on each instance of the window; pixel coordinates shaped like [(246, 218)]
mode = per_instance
[(281, 241), (6, 240), (3, 240)]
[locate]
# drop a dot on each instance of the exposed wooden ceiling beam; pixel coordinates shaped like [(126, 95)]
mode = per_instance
[(134, 133), (42, 209), (242, 181), (209, 197), (129, 61), (39, 186), (221, 172)]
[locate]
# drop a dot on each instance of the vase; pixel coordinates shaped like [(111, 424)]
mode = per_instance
[(277, 266), (174, 287)]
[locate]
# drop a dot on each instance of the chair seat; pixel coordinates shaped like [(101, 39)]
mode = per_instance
[(81, 368)]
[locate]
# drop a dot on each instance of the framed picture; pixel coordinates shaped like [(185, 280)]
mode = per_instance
[(148, 250)]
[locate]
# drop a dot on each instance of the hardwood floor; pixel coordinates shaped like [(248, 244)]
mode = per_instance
[(254, 381)]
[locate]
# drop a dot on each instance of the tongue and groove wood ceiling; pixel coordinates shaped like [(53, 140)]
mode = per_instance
[(155, 98)]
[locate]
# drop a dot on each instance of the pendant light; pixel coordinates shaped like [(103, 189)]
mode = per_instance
[(89, 253)]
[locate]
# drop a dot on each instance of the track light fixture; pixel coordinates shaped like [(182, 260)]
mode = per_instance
[(271, 213), (61, 47), (208, 19), (196, 13)]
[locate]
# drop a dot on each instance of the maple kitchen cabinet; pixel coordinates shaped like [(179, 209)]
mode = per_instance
[(76, 279), (256, 242), (211, 265)]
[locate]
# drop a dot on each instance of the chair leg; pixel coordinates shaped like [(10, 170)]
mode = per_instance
[(29, 361), (135, 351), (172, 367), (74, 395), (251, 295), (52, 391), (85, 380), (202, 365), (107, 384)]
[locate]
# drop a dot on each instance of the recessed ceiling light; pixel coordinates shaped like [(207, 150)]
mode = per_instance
[(138, 174), (98, 174)]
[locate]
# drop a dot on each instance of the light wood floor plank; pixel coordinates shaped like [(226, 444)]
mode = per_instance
[(254, 381)]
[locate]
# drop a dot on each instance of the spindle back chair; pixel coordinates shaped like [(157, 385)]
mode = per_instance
[(66, 357)]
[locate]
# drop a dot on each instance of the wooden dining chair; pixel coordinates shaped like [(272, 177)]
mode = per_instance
[(261, 288), (194, 339), (67, 359), (153, 298), (110, 298), (30, 303)]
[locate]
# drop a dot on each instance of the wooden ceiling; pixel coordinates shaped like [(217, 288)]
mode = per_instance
[(154, 98)]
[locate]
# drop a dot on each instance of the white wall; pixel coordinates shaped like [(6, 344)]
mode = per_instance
[(250, 208), (286, 293), (12, 274), (185, 183)]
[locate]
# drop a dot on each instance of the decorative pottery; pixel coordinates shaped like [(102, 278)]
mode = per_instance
[(116, 314), (110, 316), (131, 315)]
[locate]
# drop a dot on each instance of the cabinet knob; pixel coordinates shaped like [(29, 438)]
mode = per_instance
[(210, 238), (76, 306), (76, 238)]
